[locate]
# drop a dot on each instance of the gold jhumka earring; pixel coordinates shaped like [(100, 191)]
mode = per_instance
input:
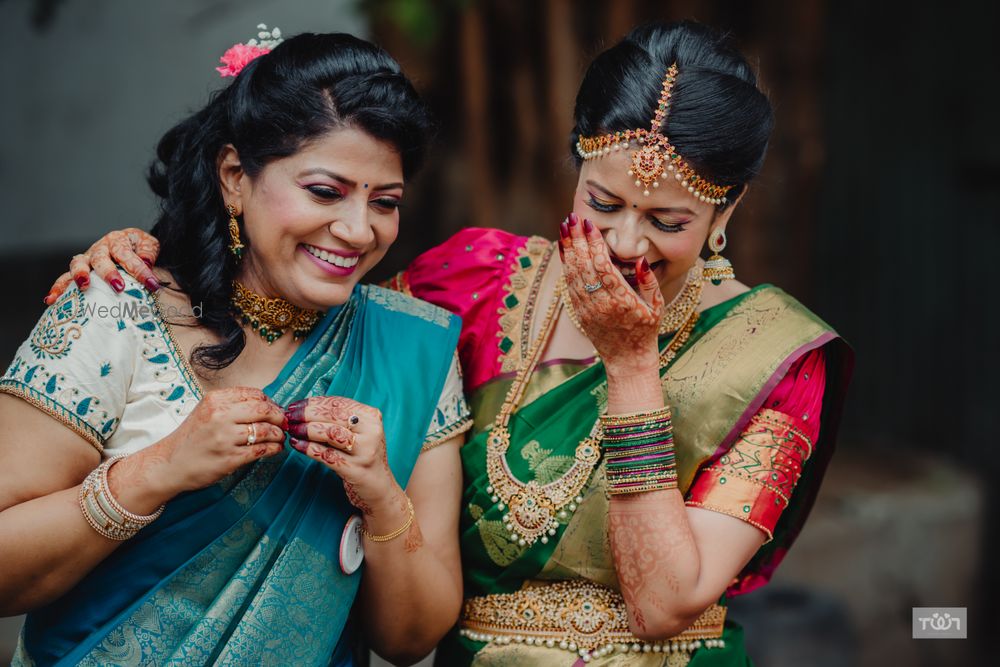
[(269, 317), (717, 268), (235, 245), (657, 159)]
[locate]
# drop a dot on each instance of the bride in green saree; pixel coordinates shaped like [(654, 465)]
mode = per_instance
[(649, 433)]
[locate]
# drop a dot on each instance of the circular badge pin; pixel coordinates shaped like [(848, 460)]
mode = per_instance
[(352, 550)]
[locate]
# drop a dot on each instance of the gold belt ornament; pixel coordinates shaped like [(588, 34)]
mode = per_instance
[(578, 616)]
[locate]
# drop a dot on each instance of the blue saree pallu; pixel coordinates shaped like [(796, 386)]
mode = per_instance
[(246, 571)]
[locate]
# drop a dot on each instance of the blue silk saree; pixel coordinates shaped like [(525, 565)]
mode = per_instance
[(246, 572)]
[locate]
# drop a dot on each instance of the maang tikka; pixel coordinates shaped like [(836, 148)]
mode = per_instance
[(657, 159)]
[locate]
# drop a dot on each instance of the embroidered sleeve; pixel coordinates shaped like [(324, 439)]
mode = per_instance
[(78, 362), (452, 415), (754, 479), (470, 275)]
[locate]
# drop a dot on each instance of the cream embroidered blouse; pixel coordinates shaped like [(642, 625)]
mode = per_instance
[(106, 366)]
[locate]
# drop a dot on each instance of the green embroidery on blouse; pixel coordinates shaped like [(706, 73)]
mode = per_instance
[(60, 325)]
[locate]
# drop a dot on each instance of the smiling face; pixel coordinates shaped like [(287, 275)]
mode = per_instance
[(669, 227), (318, 220)]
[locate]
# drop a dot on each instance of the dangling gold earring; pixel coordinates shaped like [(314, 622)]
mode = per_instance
[(717, 268), (235, 245)]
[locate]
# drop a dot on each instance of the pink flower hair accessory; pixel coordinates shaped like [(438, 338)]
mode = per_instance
[(239, 56)]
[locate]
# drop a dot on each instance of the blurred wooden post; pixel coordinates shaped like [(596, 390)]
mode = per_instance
[(475, 88), (562, 82), (775, 235), (620, 20)]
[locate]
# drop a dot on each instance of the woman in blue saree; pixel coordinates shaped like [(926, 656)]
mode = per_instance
[(150, 512)]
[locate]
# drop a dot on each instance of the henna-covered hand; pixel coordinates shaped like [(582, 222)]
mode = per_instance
[(622, 323), (210, 443), (348, 437), (134, 249)]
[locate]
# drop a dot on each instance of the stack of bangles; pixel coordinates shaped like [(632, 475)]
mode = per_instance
[(639, 452), (105, 514)]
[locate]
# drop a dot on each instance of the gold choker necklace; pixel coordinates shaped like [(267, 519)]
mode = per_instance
[(271, 317)]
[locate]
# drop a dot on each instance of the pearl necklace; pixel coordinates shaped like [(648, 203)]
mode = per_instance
[(534, 511)]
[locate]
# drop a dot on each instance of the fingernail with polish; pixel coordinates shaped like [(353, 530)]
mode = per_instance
[(563, 230), (147, 262), (152, 284), (117, 284), (81, 282), (573, 219), (587, 227), (297, 444), (48, 299), (644, 267), (284, 424), (296, 412), (298, 430)]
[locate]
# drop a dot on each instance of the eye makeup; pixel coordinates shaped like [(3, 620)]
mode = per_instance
[(603, 206), (325, 192), (388, 203)]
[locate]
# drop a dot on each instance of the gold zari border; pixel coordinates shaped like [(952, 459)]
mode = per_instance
[(53, 409), (711, 384), (515, 316), (576, 615), (445, 434)]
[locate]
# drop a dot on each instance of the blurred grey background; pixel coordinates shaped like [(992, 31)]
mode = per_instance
[(875, 208)]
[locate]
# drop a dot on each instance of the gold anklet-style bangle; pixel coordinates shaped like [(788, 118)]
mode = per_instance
[(103, 511), (396, 533), (636, 418), (665, 485)]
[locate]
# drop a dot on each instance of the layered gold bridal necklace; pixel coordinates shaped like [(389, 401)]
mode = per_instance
[(531, 511)]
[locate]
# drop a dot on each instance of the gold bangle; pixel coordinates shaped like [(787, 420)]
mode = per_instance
[(645, 488), (140, 520), (396, 533), (103, 511), (637, 418)]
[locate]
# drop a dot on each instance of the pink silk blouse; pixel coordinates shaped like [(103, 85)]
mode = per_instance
[(752, 480)]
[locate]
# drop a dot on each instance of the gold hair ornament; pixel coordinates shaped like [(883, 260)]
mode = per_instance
[(657, 159)]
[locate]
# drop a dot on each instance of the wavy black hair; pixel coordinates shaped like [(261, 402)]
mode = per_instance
[(719, 119), (307, 86)]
